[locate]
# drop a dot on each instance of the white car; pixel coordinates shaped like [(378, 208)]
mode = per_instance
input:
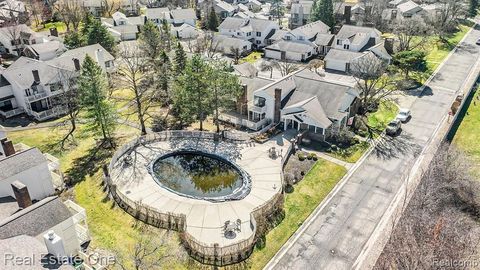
[(403, 115)]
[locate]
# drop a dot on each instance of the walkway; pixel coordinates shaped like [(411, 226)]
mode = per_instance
[(337, 232)]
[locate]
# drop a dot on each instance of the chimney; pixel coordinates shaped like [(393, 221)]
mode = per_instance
[(54, 32), (242, 101), (100, 59), (348, 14), (36, 76), (54, 244), (21, 194), (7, 147), (277, 105), (388, 44), (394, 14), (76, 63)]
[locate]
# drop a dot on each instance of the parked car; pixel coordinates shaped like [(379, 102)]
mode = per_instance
[(394, 127), (478, 42), (403, 115)]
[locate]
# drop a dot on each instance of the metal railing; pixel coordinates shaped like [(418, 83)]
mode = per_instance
[(40, 95), (47, 114), (11, 113), (258, 109)]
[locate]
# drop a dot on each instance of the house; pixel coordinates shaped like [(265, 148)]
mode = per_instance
[(300, 44), (122, 27), (97, 7), (13, 10), (409, 9), (37, 87), (303, 100), (222, 8), (256, 31), (300, 13), (227, 45), (14, 39), (254, 5), (185, 31), (157, 15), (340, 60), (181, 16), (356, 38), (44, 51)]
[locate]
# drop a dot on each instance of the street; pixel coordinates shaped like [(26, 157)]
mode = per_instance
[(340, 229)]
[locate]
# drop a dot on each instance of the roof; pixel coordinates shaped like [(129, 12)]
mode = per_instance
[(311, 29), (158, 13), (65, 60), (20, 29), (408, 6), (324, 39), (291, 46), (35, 219), (305, 6), (255, 2), (118, 16), (225, 6), (279, 34), (137, 20), (224, 43), (342, 55), (233, 23), (126, 29), (183, 14), (396, 2), (21, 161), (380, 51), (246, 69), (349, 31), (253, 84), (46, 47)]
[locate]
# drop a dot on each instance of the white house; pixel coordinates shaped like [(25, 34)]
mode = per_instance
[(226, 45), (157, 15), (36, 87), (256, 31), (14, 39), (356, 38), (97, 7), (302, 100), (300, 13), (291, 50), (185, 31), (44, 51), (181, 16), (222, 8)]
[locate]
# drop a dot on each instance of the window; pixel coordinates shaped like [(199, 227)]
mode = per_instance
[(301, 37), (259, 34), (55, 87), (339, 42), (309, 53), (249, 34), (346, 46), (288, 37), (258, 42), (245, 47), (108, 64), (258, 101)]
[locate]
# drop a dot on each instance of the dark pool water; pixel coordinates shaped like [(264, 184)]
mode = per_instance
[(197, 175)]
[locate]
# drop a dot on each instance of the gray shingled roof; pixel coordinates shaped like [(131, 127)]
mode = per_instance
[(253, 84), (157, 13), (20, 162), (348, 31), (324, 39), (233, 23), (183, 14), (290, 46), (35, 219), (342, 55), (246, 69), (311, 29)]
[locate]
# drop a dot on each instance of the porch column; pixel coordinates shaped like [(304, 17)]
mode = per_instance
[(298, 126), (284, 124), (315, 129)]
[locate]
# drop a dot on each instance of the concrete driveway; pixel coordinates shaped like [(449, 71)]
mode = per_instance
[(341, 227)]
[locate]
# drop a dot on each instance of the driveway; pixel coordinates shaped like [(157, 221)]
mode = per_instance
[(342, 226)]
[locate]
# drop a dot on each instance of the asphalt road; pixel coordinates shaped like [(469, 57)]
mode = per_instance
[(337, 235)]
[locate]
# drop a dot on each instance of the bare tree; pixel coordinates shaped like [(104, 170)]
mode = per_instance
[(70, 100), (372, 81), (71, 13), (235, 51), (132, 74), (285, 66), (411, 33), (444, 21), (316, 64), (207, 44), (267, 66), (111, 6)]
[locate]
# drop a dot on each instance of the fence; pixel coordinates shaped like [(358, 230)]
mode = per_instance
[(202, 252)]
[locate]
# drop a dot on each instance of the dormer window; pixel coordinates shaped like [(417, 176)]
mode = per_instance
[(339, 42), (346, 46), (259, 34), (301, 38), (288, 37)]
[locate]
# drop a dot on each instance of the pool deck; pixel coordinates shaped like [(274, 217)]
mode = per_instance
[(205, 220)]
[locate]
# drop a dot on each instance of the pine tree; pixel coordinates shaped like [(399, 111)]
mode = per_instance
[(100, 115), (212, 22), (74, 39), (164, 72), (472, 8), (98, 33), (150, 41), (180, 59), (323, 10)]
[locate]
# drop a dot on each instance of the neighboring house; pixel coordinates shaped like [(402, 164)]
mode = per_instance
[(184, 16), (36, 87), (185, 31), (13, 10), (245, 69), (254, 5), (300, 44), (356, 38), (300, 13), (302, 100), (97, 7), (256, 31), (44, 51), (157, 15), (14, 39), (409, 9), (122, 27), (222, 8), (226, 45), (340, 60)]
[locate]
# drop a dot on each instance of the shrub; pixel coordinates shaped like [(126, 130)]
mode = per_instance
[(301, 156)]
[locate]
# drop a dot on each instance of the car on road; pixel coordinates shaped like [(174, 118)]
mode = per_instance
[(403, 115), (394, 127), (478, 42)]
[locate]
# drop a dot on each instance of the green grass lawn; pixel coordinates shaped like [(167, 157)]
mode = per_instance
[(308, 194), (386, 112), (61, 27), (251, 58), (467, 137)]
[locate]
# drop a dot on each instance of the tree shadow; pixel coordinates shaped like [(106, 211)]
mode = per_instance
[(388, 147)]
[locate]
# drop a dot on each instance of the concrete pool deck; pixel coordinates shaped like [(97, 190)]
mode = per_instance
[(205, 220)]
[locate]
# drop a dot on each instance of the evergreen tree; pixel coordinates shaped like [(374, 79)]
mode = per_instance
[(212, 22), (74, 39), (323, 10), (100, 115), (472, 8), (192, 94), (97, 33), (150, 41), (164, 72), (166, 36), (180, 59)]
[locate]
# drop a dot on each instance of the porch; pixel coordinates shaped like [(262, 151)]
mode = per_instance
[(253, 121), (79, 217)]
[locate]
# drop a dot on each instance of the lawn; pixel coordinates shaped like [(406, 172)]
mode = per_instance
[(386, 112), (251, 58), (467, 136), (61, 27), (308, 194)]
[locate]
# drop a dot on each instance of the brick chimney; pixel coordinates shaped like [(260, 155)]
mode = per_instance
[(36, 76), (21, 194), (242, 101), (54, 32), (7, 147), (76, 63), (348, 14), (277, 105)]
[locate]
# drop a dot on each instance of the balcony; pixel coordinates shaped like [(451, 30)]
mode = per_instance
[(240, 120), (47, 114), (255, 108), (11, 113), (80, 220)]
